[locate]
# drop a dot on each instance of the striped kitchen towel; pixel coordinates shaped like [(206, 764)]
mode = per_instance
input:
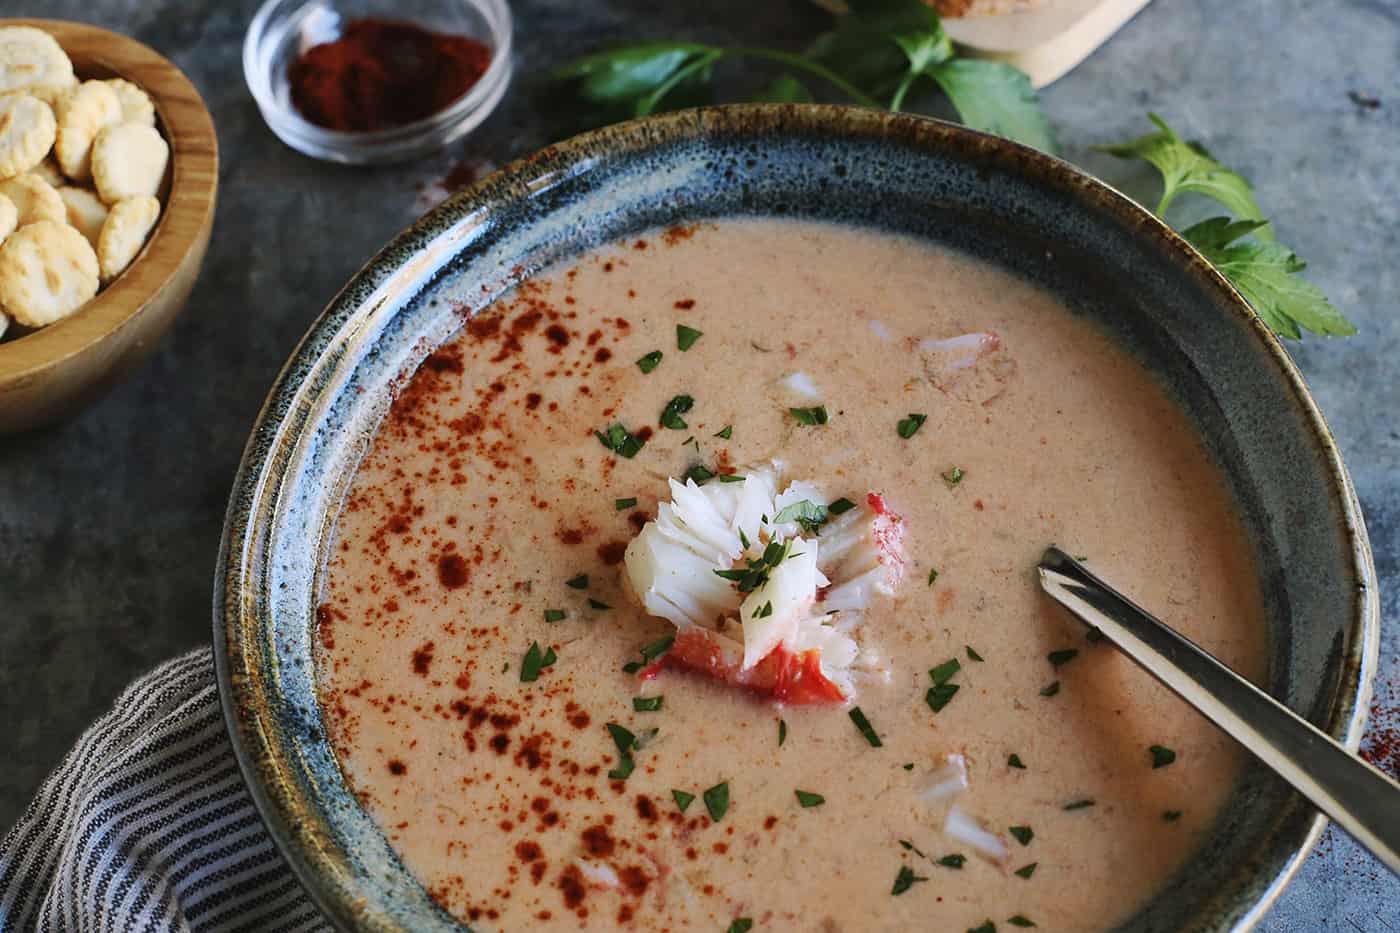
[(146, 825)]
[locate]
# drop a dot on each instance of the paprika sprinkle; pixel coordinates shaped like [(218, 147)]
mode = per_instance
[(382, 73)]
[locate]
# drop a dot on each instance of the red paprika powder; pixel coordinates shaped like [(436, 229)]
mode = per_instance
[(382, 73)]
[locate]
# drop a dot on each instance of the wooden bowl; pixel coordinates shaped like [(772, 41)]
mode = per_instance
[(53, 371)]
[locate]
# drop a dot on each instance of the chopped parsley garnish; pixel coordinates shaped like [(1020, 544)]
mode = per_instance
[(986, 926), (744, 539), (620, 504), (908, 426), (764, 611), (953, 476), (554, 615), (808, 799), (1023, 834), (1014, 761), (741, 925), (732, 478), (910, 847), (782, 732), (700, 473), (725, 432), (1020, 921), (905, 880), (686, 336), (808, 514), (671, 414), (1094, 634), (1062, 657), (625, 741), (1083, 804), (597, 604), (932, 577), (646, 704), (755, 574), (535, 661), (1161, 756), (631, 667), (972, 654), (840, 505), (940, 696), (1025, 871), (717, 801), (952, 861), (1050, 690), (944, 672), (1171, 816), (809, 416), (659, 647), (579, 582), (682, 799), (620, 441), (649, 362), (909, 766), (863, 724)]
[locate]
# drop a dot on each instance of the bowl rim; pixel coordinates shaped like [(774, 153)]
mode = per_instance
[(241, 679), (187, 209)]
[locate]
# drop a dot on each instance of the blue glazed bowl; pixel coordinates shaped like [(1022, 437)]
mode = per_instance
[(1020, 209)]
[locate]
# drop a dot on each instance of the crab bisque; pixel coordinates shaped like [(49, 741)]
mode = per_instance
[(692, 583)]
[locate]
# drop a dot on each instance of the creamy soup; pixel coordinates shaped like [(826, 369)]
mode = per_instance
[(500, 664)]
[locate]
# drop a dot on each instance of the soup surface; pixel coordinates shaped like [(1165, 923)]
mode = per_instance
[(487, 498)]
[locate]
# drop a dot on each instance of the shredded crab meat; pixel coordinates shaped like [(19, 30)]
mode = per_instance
[(961, 825), (797, 620), (974, 367), (948, 780)]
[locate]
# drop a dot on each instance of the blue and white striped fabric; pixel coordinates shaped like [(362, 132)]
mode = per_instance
[(146, 825)]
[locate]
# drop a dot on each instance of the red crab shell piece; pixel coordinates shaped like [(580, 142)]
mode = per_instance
[(782, 675)]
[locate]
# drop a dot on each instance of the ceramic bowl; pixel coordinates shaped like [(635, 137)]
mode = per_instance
[(1024, 211), (53, 371)]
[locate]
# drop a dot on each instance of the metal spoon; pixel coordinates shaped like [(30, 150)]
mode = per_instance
[(1361, 799)]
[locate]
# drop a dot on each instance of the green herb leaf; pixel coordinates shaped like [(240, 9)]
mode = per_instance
[(659, 647), (620, 441), (806, 513), (785, 89), (764, 611), (717, 801), (1014, 761), (671, 414), (952, 861), (535, 661), (621, 504), (908, 426), (624, 73), (682, 799), (741, 925), (1023, 834), (995, 98), (1051, 689), (782, 732), (985, 926), (646, 704), (700, 473), (686, 337), (731, 478), (554, 615), (953, 476), (809, 416), (1186, 166), (622, 737), (598, 604), (1079, 804), (864, 726), (932, 576), (905, 880), (725, 432), (1171, 816), (943, 672), (649, 362), (908, 766), (1020, 921), (808, 799), (1266, 274), (1062, 657), (631, 667), (1161, 756), (840, 506), (972, 654), (1095, 634), (579, 582), (939, 697), (1025, 871), (625, 766)]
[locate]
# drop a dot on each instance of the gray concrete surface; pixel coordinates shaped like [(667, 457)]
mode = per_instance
[(109, 523)]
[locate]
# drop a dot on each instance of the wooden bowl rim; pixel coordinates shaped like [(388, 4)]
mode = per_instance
[(194, 171)]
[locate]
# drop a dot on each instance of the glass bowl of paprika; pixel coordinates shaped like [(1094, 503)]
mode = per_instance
[(374, 81)]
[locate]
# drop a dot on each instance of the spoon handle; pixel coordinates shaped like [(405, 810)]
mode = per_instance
[(1361, 799)]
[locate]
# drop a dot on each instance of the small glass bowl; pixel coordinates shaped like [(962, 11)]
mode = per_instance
[(283, 29)]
